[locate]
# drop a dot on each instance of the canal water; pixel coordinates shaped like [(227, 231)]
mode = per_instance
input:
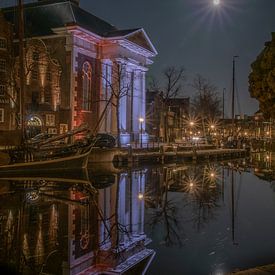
[(206, 218)]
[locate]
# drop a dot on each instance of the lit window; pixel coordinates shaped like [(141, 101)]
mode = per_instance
[(3, 43), (2, 65), (2, 90), (50, 120), (86, 86), (63, 128), (1, 115)]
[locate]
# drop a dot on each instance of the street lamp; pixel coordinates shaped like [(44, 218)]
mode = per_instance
[(141, 120)]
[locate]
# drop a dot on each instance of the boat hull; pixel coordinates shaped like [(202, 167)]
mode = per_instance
[(79, 161)]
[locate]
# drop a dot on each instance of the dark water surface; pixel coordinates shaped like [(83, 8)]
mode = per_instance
[(208, 218)]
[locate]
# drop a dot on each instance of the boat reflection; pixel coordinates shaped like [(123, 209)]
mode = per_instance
[(70, 227)]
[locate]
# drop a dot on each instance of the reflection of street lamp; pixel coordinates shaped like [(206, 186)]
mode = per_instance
[(141, 120)]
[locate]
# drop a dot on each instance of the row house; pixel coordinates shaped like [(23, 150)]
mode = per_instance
[(82, 70), (166, 117)]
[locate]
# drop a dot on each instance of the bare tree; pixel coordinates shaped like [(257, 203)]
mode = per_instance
[(118, 83), (206, 102), (173, 79), (173, 82)]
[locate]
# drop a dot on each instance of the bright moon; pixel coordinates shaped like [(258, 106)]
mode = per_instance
[(216, 2)]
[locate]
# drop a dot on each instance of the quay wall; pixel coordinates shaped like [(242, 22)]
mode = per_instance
[(162, 154)]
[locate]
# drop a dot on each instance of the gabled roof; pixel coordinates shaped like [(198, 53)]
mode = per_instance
[(137, 36), (119, 33), (42, 17)]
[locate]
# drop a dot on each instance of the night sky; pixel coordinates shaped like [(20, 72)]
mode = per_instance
[(199, 36)]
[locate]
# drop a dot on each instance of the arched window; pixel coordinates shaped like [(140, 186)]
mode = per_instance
[(86, 86)]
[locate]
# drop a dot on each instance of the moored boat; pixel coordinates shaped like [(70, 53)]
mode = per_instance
[(78, 160)]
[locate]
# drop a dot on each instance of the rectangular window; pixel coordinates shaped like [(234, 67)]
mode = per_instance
[(34, 74), (35, 56), (1, 115), (52, 131), (50, 120), (2, 65), (2, 90), (3, 43), (63, 128)]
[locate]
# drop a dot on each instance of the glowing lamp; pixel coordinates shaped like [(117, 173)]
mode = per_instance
[(140, 196)]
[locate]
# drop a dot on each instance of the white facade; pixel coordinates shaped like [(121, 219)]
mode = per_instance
[(123, 66)]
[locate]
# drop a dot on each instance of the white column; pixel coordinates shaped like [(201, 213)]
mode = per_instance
[(135, 204), (121, 206), (143, 98), (136, 100), (105, 94), (123, 98)]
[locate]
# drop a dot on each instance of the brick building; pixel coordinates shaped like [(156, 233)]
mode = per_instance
[(7, 106), (166, 117), (78, 67)]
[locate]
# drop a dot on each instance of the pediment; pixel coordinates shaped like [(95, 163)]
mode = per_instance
[(141, 39)]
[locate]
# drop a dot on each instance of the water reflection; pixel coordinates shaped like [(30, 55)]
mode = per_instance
[(199, 189), (68, 227), (99, 220), (220, 214)]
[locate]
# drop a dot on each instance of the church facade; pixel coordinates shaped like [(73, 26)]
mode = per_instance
[(82, 70)]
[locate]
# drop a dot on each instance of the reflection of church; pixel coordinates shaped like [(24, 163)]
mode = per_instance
[(70, 230)]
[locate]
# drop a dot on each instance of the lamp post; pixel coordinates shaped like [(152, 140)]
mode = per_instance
[(141, 120)]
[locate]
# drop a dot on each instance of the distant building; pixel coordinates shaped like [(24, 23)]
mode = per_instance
[(74, 62), (165, 118), (253, 127)]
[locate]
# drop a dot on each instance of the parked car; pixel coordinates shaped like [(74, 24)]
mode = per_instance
[(105, 140)]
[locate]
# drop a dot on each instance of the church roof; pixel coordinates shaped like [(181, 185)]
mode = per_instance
[(43, 16)]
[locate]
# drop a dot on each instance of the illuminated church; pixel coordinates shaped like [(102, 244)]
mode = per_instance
[(79, 69)]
